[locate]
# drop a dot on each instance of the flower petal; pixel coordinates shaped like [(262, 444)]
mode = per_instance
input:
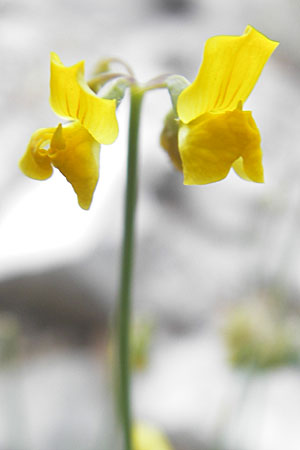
[(71, 97), (75, 153), (210, 144), (242, 166), (230, 68), (238, 167), (35, 162)]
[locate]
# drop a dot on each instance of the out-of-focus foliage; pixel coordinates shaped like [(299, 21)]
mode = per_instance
[(140, 340), (9, 339), (256, 337)]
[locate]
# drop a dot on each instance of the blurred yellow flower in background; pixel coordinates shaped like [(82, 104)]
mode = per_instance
[(215, 133), (74, 147), (145, 437)]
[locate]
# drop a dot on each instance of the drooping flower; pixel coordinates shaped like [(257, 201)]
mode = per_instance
[(73, 148), (215, 133)]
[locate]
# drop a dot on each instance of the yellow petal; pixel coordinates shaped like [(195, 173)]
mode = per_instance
[(75, 153), (230, 68), (240, 170), (71, 97), (145, 437), (35, 162), (238, 167), (210, 144)]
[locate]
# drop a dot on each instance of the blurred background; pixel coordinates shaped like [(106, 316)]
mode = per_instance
[(216, 337)]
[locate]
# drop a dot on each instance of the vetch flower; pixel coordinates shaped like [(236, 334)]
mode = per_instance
[(215, 133), (73, 148)]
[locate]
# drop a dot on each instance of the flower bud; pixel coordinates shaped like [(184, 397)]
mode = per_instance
[(169, 139)]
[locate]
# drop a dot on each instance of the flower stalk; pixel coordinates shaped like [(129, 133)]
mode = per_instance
[(124, 307)]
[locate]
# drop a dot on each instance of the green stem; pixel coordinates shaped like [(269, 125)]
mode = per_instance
[(127, 266)]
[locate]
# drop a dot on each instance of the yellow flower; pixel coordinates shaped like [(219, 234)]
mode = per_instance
[(74, 147), (215, 133), (145, 437)]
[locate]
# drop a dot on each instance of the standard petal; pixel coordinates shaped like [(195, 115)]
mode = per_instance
[(35, 162), (71, 97), (75, 153), (210, 144), (230, 68)]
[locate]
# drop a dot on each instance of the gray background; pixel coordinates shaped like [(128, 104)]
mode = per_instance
[(200, 253)]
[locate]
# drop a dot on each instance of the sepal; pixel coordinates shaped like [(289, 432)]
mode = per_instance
[(117, 90), (175, 85)]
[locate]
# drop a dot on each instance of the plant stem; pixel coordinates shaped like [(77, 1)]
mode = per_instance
[(127, 266)]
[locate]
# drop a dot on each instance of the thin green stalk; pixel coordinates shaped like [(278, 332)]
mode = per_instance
[(127, 267)]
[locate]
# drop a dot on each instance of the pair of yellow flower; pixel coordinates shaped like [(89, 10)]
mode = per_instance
[(214, 134)]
